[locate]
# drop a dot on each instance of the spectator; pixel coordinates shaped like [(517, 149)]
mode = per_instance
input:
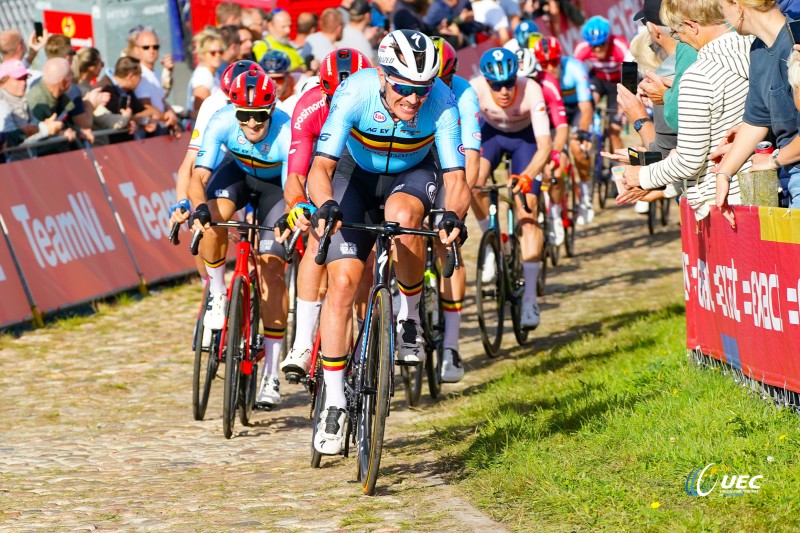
[(246, 40), (793, 76), (255, 20), (323, 42), (150, 91), (121, 85), (228, 14), (359, 33), (408, 16), (49, 97), (231, 46), (770, 106), (12, 46), (512, 10), (711, 100), (204, 82), (87, 65), (491, 15), (279, 25), (382, 16), (306, 25), (444, 13), (16, 123)]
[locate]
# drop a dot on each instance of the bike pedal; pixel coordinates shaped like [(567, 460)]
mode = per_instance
[(294, 378), (400, 362), (263, 406)]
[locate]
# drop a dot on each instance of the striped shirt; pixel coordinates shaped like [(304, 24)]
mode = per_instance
[(711, 101)]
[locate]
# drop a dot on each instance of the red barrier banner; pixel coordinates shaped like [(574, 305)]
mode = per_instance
[(741, 288), (14, 307), (63, 232), (141, 180)]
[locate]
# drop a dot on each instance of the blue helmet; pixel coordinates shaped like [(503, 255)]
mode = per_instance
[(523, 32), (596, 30), (499, 64), (275, 61)]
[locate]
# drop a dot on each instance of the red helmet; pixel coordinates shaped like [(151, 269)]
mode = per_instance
[(233, 70), (253, 89), (339, 64), (547, 50), (448, 61)]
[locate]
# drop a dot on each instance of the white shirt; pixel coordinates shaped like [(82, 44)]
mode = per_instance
[(150, 87), (352, 38), (489, 13), (201, 77), (320, 45)]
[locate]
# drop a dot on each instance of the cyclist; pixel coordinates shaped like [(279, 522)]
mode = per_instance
[(257, 137), (526, 34), (276, 64), (604, 53), (529, 68), (514, 121), (375, 150), (578, 102), (454, 288), (309, 116)]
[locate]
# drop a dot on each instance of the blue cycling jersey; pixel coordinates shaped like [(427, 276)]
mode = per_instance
[(265, 160), (469, 111), (575, 86), (359, 120)]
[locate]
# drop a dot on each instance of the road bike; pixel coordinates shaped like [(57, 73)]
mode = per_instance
[(369, 381)]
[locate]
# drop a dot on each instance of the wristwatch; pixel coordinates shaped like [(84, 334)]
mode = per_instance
[(774, 157), (638, 123)]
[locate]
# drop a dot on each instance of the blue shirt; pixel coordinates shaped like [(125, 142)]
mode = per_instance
[(469, 111), (265, 160), (575, 86), (359, 120), (769, 101), (791, 8)]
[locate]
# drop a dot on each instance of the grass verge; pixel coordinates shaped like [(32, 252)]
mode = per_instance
[(603, 432)]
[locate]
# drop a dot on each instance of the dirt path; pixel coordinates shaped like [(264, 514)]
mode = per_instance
[(97, 431)]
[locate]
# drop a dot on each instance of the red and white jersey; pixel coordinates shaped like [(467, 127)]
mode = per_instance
[(307, 120), (551, 90), (527, 107), (607, 69)]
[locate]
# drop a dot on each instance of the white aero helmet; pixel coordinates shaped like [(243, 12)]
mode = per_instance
[(528, 65), (410, 55)]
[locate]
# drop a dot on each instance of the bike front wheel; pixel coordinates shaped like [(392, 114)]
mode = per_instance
[(374, 389), (490, 293), (235, 346), (517, 285)]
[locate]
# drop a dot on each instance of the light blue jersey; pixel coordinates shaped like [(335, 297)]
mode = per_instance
[(469, 111), (359, 120), (575, 86), (265, 160)]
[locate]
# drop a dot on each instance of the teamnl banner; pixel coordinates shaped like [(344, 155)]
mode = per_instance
[(741, 288)]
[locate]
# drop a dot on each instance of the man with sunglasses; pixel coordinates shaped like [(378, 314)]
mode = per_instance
[(151, 91), (374, 158), (256, 136), (515, 121)]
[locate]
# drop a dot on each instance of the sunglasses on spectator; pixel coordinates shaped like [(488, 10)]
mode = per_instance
[(498, 86), (279, 80), (259, 115), (155, 47), (214, 52), (405, 90)]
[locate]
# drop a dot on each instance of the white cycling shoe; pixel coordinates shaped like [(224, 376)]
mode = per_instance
[(489, 267), (216, 309), (297, 362), (411, 343), (530, 315), (269, 395), (452, 369), (329, 438)]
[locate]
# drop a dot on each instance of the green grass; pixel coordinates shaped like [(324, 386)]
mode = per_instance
[(602, 433)]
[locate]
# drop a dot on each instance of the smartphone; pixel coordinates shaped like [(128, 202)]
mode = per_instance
[(124, 100), (38, 28), (794, 31), (641, 158), (630, 76), (63, 116)]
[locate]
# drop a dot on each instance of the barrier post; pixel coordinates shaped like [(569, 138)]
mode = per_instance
[(142, 284), (38, 321)]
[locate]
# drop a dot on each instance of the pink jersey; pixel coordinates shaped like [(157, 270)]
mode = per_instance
[(527, 107), (307, 120), (552, 98), (609, 68)]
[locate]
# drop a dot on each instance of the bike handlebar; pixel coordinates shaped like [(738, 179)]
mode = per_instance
[(173, 232), (193, 246)]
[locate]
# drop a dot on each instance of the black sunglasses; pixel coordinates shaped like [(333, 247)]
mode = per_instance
[(259, 115), (405, 90), (500, 85), (149, 46)]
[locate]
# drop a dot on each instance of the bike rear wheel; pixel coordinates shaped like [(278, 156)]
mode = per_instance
[(490, 295), (248, 386), (570, 214), (318, 402), (206, 361), (517, 285), (432, 316), (235, 346), (374, 388)]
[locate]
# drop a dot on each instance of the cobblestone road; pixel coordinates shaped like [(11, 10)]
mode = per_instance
[(97, 432)]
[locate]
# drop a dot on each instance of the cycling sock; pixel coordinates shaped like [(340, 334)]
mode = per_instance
[(273, 342), (333, 373), (483, 224), (307, 314), (357, 347), (531, 273), (555, 211), (452, 322), (409, 301), (586, 192), (216, 276)]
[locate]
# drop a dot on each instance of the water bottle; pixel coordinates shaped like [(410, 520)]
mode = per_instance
[(597, 124)]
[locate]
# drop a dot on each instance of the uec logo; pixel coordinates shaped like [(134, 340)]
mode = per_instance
[(698, 484)]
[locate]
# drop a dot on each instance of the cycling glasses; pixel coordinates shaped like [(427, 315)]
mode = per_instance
[(404, 89), (259, 115), (497, 86)]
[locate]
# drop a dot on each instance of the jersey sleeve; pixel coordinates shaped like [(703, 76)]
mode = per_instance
[(539, 119), (583, 87), (469, 111), (448, 132), (303, 138), (214, 138), (284, 147), (555, 104), (343, 115)]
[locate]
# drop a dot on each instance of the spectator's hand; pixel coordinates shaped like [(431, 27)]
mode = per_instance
[(167, 62), (466, 15), (630, 104), (654, 87), (762, 162), (53, 126), (371, 33), (36, 43), (149, 126), (126, 113), (796, 47), (631, 177), (170, 118), (723, 186), (724, 146), (70, 135), (97, 97), (632, 196), (87, 134), (620, 156), (131, 127)]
